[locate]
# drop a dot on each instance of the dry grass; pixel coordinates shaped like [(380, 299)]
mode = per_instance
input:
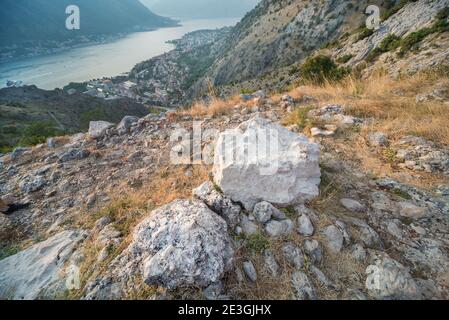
[(391, 103), (216, 107)]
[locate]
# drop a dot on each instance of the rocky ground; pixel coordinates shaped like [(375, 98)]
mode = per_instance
[(110, 207)]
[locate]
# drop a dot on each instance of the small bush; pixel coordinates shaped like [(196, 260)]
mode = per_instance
[(365, 33), (345, 58), (37, 133), (393, 10), (257, 242), (246, 91), (389, 43), (321, 68)]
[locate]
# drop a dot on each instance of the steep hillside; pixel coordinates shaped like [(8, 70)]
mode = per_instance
[(28, 113), (266, 48)]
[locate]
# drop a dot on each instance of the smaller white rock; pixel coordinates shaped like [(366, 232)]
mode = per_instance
[(250, 271), (293, 255), (409, 210), (352, 205), (264, 211), (97, 129), (303, 287), (279, 228), (305, 226), (334, 238)]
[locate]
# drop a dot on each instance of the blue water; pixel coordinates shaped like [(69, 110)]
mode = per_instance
[(103, 60)]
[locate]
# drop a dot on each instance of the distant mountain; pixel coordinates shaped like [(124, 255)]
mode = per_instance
[(201, 8), (44, 20)]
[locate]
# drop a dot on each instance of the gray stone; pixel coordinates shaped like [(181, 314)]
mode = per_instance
[(388, 279), (293, 255), (334, 238), (126, 123), (271, 264), (248, 227), (213, 292), (358, 252), (305, 226), (378, 139), (409, 210), (250, 271), (31, 184), (276, 228), (185, 244), (302, 287), (72, 154), (97, 129), (264, 211), (218, 203), (313, 250), (352, 205)]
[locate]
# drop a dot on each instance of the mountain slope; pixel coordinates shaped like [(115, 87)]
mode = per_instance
[(273, 39), (37, 20)]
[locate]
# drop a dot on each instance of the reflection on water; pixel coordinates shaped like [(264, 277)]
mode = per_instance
[(104, 60)]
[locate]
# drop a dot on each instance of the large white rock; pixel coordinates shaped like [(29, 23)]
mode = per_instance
[(186, 243), (39, 271), (260, 161), (97, 129)]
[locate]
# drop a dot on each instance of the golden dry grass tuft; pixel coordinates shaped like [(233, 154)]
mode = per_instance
[(216, 107), (391, 103)]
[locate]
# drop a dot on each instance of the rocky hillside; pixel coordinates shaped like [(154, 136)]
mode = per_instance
[(28, 113), (360, 194), (348, 200), (267, 47)]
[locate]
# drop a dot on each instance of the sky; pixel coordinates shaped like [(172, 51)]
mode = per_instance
[(200, 8)]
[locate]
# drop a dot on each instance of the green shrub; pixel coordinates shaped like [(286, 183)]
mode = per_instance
[(413, 39), (8, 251), (93, 114), (246, 91), (365, 33), (389, 43), (395, 8), (321, 68), (345, 58), (38, 132), (258, 242), (293, 70)]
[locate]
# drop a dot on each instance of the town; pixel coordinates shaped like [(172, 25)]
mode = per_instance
[(163, 80)]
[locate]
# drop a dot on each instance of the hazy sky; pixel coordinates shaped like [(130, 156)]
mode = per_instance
[(201, 8)]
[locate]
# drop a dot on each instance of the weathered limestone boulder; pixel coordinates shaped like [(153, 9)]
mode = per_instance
[(260, 161), (39, 271), (97, 129), (186, 244)]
